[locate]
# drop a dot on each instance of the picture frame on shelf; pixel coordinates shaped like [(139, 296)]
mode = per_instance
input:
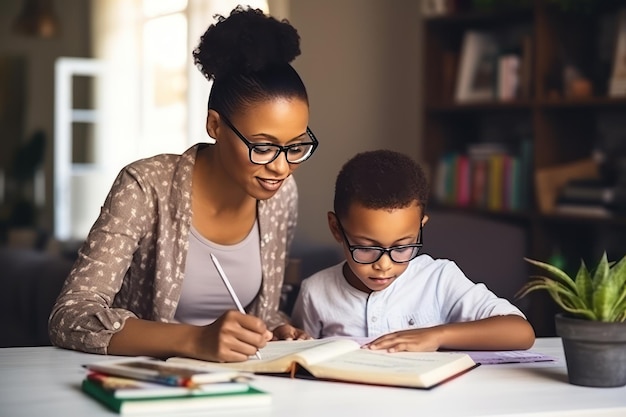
[(477, 72)]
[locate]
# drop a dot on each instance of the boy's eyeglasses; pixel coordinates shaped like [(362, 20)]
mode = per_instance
[(370, 254), (264, 153)]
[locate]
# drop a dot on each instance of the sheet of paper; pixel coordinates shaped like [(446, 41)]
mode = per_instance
[(278, 349), (511, 356)]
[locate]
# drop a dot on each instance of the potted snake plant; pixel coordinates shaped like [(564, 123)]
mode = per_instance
[(592, 324)]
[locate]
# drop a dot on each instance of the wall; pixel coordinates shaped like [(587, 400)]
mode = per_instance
[(359, 61)]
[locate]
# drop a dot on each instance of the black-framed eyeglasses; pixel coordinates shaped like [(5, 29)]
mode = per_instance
[(264, 153), (369, 254)]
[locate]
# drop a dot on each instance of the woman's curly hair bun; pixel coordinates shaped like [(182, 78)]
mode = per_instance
[(246, 41)]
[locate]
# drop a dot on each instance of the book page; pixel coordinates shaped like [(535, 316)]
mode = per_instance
[(411, 369), (317, 351), (278, 356), (510, 356)]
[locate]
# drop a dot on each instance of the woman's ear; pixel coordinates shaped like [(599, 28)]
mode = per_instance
[(334, 227), (424, 219), (213, 123)]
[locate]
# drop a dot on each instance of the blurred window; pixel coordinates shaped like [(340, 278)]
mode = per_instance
[(150, 98)]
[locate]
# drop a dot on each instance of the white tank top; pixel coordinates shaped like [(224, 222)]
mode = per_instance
[(204, 297)]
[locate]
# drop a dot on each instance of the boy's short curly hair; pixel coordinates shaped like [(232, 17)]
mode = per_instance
[(380, 179)]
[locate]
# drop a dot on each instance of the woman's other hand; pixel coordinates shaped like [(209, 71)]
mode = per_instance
[(288, 332)]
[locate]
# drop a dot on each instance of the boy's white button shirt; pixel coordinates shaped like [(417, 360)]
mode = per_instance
[(428, 293)]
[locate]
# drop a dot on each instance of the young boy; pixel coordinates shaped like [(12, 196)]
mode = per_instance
[(384, 291)]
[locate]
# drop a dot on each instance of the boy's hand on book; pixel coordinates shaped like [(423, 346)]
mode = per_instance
[(414, 340), (233, 337), (288, 332)]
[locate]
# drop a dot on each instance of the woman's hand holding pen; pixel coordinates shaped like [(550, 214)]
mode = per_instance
[(233, 337)]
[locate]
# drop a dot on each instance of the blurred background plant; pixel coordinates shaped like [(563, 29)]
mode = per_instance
[(19, 208)]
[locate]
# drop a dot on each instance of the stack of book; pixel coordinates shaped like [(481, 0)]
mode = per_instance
[(488, 176), (148, 386), (592, 197)]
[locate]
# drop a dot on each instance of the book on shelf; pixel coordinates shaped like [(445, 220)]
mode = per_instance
[(134, 397), (479, 172), (486, 149), (583, 210), (495, 181), (497, 176), (591, 191), (463, 181), (451, 178), (343, 359), (508, 76), (617, 83), (158, 371), (591, 197), (490, 175), (445, 179)]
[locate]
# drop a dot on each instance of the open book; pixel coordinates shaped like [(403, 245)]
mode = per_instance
[(344, 360)]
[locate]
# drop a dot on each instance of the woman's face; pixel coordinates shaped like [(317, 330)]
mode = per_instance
[(280, 121)]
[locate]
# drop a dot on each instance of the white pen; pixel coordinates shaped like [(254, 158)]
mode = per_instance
[(230, 289)]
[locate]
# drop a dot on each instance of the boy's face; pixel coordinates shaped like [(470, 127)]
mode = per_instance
[(376, 227)]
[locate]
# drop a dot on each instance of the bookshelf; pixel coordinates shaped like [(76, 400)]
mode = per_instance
[(562, 111)]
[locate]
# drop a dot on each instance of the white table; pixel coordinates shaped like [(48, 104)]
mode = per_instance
[(44, 381)]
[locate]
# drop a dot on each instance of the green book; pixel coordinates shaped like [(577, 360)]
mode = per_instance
[(141, 399)]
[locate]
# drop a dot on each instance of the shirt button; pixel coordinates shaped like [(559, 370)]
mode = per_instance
[(116, 325), (411, 322), (374, 318)]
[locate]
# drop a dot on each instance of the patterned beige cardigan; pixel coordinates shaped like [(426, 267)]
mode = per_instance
[(132, 263)]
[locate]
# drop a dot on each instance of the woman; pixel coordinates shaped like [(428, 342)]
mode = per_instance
[(143, 283)]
